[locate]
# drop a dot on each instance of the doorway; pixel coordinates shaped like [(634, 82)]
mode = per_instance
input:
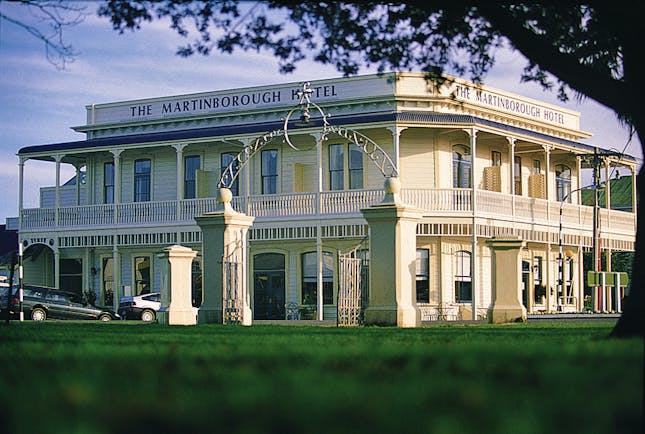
[(526, 280), (268, 286)]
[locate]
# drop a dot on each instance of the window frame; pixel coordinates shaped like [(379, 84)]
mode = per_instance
[(142, 177), (422, 275), (135, 280), (354, 171), (108, 189), (235, 187), (336, 174), (190, 176), (563, 183), (461, 258), (309, 293), (517, 175), (272, 177), (462, 174), (495, 158)]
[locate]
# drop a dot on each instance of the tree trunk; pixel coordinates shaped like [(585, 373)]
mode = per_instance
[(632, 321)]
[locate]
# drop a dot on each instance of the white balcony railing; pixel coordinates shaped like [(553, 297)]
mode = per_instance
[(453, 202)]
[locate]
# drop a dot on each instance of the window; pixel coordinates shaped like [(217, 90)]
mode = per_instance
[(196, 281), (563, 183), (463, 279), (310, 278), (539, 293), (461, 166), (337, 167), (355, 167), (225, 159), (336, 164), (517, 176), (270, 172), (142, 275), (191, 166), (107, 276), (108, 182), (495, 158), (537, 169), (142, 180), (423, 276), (71, 275)]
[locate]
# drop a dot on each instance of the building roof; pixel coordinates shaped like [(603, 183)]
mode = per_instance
[(621, 195), (258, 128)]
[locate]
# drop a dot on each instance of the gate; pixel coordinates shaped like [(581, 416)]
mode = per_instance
[(353, 286), (232, 282)]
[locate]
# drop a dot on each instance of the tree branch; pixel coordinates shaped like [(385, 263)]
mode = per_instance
[(612, 93)]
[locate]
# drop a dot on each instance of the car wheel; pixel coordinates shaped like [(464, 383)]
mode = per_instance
[(147, 316), (38, 314), (105, 317)]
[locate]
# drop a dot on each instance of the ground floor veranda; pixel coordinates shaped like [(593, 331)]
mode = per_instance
[(451, 278)]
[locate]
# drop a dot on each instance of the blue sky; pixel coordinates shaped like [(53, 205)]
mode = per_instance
[(39, 103)]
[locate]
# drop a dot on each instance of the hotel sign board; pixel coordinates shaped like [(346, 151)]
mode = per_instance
[(493, 99), (220, 102), (360, 88)]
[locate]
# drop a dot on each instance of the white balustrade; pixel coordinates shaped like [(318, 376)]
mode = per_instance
[(38, 218), (433, 201), (147, 212), (528, 209), (282, 205), (439, 200), (349, 202), (498, 204)]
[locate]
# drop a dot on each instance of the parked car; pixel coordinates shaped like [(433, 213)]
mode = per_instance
[(143, 307), (40, 303), (4, 292)]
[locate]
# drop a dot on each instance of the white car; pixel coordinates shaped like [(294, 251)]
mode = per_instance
[(143, 307)]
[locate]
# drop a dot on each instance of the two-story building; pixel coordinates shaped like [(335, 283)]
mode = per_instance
[(478, 161)]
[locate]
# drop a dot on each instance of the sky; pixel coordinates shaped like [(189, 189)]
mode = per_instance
[(39, 103)]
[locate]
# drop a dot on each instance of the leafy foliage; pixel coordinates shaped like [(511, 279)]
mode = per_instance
[(567, 46)]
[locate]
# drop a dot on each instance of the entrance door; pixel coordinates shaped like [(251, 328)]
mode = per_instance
[(526, 280), (268, 286)]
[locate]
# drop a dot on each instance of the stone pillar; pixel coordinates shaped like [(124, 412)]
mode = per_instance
[(507, 280), (223, 231), (392, 261), (176, 293)]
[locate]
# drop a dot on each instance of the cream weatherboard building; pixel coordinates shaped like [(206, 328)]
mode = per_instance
[(472, 161)]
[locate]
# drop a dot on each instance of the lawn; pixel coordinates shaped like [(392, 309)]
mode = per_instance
[(61, 377)]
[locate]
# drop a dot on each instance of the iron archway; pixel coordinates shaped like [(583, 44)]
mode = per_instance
[(374, 152)]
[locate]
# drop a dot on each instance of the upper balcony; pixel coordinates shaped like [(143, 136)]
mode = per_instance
[(445, 203)]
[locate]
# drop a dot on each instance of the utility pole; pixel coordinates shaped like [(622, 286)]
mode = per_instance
[(597, 265), (598, 157)]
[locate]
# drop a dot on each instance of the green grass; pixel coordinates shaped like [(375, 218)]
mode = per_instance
[(60, 377)]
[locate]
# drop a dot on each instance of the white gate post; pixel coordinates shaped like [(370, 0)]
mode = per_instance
[(392, 296), (222, 230), (507, 280), (176, 293)]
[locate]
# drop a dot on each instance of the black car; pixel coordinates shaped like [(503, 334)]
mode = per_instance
[(40, 303)]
